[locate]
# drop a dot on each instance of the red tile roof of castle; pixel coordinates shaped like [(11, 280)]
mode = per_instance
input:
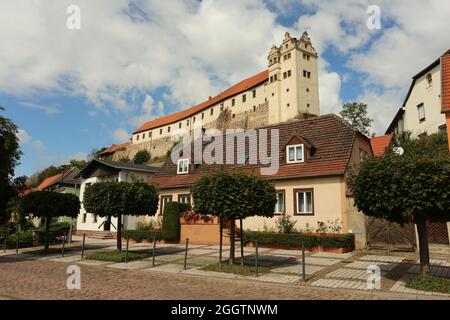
[(236, 89), (380, 144), (330, 138)]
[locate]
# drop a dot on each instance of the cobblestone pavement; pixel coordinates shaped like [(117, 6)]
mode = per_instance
[(44, 279), (33, 276)]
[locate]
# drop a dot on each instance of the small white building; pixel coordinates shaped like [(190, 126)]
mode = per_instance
[(103, 170)]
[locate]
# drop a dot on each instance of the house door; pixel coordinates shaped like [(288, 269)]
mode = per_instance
[(107, 224), (437, 233)]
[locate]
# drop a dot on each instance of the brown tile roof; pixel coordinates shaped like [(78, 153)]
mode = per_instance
[(236, 89), (380, 144), (48, 182), (445, 81), (331, 137), (113, 148)]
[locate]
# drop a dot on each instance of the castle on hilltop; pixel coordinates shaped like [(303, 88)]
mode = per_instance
[(288, 89)]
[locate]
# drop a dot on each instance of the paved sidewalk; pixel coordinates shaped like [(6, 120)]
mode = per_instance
[(283, 267)]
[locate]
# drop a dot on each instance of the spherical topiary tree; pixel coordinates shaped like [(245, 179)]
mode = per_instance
[(47, 205), (231, 196), (116, 199), (412, 187)]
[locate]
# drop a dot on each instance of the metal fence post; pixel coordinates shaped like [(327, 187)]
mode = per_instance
[(185, 253), (17, 242), (154, 250), (303, 260), (256, 260), (126, 250), (82, 245), (63, 244), (4, 244), (70, 234)]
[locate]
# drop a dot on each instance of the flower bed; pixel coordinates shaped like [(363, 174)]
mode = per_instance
[(190, 217), (339, 243)]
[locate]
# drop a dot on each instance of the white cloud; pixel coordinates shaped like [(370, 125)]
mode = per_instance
[(121, 135), (23, 136), (47, 109), (26, 140), (195, 49)]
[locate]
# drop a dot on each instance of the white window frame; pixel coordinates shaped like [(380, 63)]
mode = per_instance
[(295, 146), (186, 162), (277, 205), (297, 202)]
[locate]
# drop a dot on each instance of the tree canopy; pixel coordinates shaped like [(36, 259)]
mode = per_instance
[(356, 114), (50, 204), (47, 205), (233, 195), (115, 199), (9, 158), (412, 187)]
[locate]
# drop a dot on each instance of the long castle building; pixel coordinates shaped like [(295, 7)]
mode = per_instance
[(286, 90)]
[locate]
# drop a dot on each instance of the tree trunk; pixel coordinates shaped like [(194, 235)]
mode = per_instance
[(47, 230), (423, 248), (232, 245), (242, 242), (119, 233), (220, 241)]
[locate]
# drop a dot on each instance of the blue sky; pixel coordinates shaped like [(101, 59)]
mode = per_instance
[(71, 91)]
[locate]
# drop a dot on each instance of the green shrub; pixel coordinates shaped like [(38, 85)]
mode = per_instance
[(285, 224), (139, 235), (170, 229), (141, 156), (295, 239), (56, 230), (25, 239)]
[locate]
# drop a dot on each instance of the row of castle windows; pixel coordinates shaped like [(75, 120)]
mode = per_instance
[(233, 103), (287, 56)]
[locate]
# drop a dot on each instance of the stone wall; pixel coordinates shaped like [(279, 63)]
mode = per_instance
[(245, 120)]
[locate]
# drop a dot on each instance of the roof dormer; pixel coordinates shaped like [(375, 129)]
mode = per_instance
[(297, 149)]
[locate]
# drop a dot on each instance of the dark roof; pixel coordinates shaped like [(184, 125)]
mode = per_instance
[(118, 165), (418, 75), (330, 137), (394, 121)]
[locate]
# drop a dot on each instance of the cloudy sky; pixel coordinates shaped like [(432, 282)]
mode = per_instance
[(74, 90)]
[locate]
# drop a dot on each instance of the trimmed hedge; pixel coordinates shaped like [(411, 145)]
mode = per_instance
[(139, 235), (295, 239), (171, 228)]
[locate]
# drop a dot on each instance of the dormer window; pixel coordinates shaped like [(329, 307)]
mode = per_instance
[(294, 153), (183, 166)]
